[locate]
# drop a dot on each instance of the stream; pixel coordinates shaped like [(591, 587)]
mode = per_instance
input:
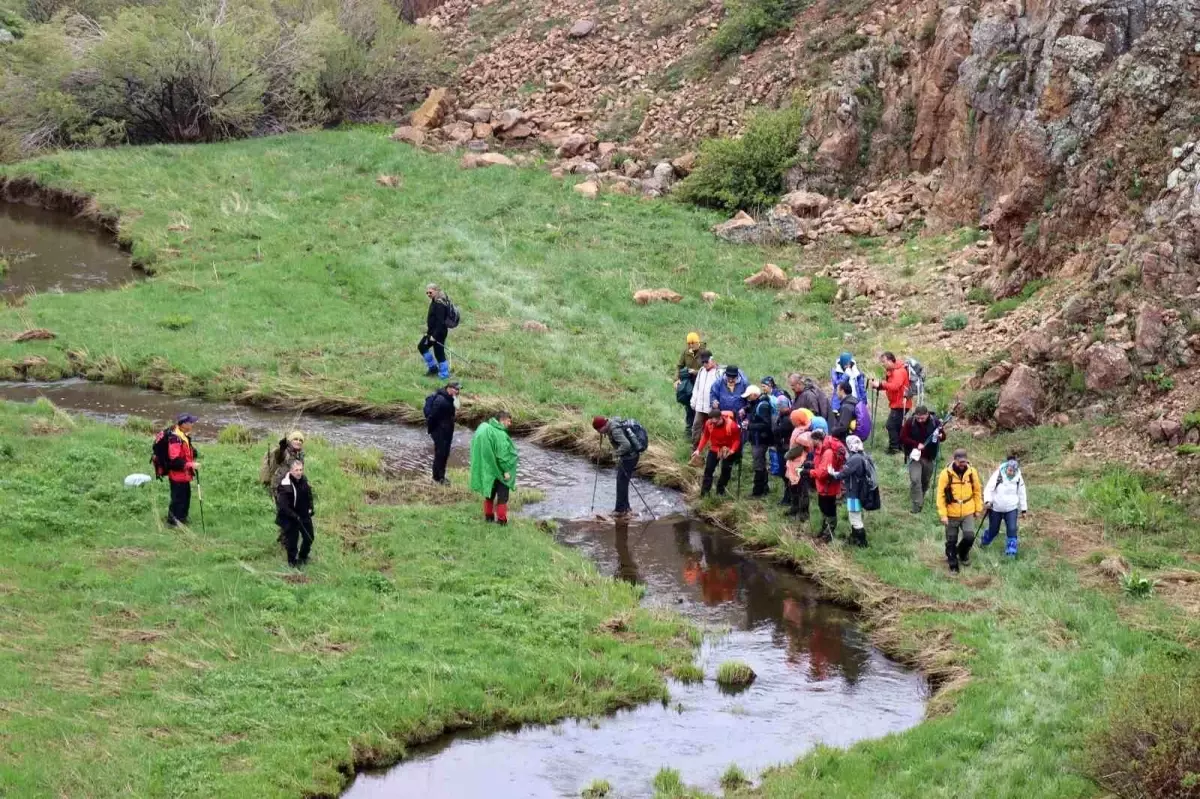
[(819, 680), (47, 252)]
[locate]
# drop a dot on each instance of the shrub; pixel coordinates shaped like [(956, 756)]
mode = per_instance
[(1136, 585), (746, 172), (1186, 450), (1191, 420), (1029, 235), (992, 360), (140, 424), (734, 778), (954, 321), (598, 789), (981, 295), (981, 406), (1145, 745), (1158, 379), (362, 461), (748, 23), (824, 290), (175, 321), (734, 672), (235, 434)]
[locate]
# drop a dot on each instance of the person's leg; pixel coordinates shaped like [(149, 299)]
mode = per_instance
[(291, 536), (689, 419), (828, 507), (761, 485), (952, 543), (786, 499), (173, 506), (424, 347), (181, 502), (623, 476), (993, 527), (804, 498), (894, 423), (967, 540), (439, 353), (500, 492), (698, 427), (1010, 531), (489, 509), (710, 468), (441, 456), (307, 533), (916, 485), (858, 530), (726, 473)]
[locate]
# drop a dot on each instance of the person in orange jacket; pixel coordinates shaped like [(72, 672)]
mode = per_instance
[(723, 437), (895, 384), (828, 459), (182, 465)]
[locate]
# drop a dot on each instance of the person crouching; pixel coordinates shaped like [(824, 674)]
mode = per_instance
[(294, 514)]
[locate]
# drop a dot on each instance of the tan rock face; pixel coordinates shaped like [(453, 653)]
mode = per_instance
[(1021, 399), (433, 111), (581, 28), (806, 204), (647, 296), (481, 130), (573, 145), (588, 189), (770, 276), (493, 159), (409, 134)]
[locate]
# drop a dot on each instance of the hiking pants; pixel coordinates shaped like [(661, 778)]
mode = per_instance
[(181, 502), (495, 507), (442, 439), (1010, 529), (895, 421), (802, 497), (428, 343), (698, 426), (298, 533), (920, 474), (828, 506), (710, 468), (625, 469), (959, 549), (759, 459), (689, 418)]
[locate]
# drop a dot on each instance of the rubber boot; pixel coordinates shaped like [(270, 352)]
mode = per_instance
[(964, 551), (430, 363), (827, 528), (502, 513), (1010, 547), (489, 511), (444, 370), (952, 557), (858, 537)]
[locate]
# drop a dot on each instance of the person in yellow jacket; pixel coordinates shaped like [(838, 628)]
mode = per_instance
[(960, 504)]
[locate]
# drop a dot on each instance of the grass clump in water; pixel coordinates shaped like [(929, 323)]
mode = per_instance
[(598, 789), (236, 434), (689, 673), (734, 778), (734, 673)]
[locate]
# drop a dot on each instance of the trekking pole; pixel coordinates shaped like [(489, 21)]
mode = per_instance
[(636, 490), (447, 349), (200, 497), (595, 483), (874, 417)]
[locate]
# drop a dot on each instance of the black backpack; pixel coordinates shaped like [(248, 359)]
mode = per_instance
[(636, 434), (428, 410), (871, 499), (452, 315), (160, 454)]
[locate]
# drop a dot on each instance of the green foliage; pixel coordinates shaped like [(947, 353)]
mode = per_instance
[(748, 23), (993, 359), (746, 172), (870, 114), (1119, 497), (823, 292), (981, 405), (734, 778), (734, 672), (688, 673), (848, 43), (668, 783), (1187, 450), (1136, 585), (236, 434), (362, 461), (954, 321), (1003, 307), (981, 295), (3, 266), (597, 790), (1191, 420), (175, 321), (1137, 186), (908, 319), (897, 57), (625, 122), (1158, 379)]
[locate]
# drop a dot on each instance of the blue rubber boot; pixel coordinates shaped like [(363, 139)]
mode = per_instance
[(430, 362), (444, 370), (1010, 548)]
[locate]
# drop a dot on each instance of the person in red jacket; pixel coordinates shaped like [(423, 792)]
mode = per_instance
[(896, 386), (828, 458), (723, 437), (181, 469)]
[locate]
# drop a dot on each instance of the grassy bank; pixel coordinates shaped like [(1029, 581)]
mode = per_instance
[(142, 661)]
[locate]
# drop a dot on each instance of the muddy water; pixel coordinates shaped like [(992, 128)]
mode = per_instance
[(48, 251), (819, 680)]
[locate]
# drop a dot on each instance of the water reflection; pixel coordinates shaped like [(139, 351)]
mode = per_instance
[(48, 251)]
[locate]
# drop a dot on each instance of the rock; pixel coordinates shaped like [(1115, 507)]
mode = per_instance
[(1033, 346), (770, 276), (684, 164), (6, 36), (710, 296), (493, 159), (606, 148), (508, 119), (647, 296), (581, 28), (806, 204), (588, 189), (481, 130), (858, 226), (1150, 335), (631, 168), (477, 115), (388, 181), (519, 131), (664, 173), (1165, 431), (1077, 310), (468, 161), (477, 146), (996, 375), (410, 135), (1107, 367), (433, 111), (800, 285), (533, 326), (573, 145), (893, 221), (584, 167), (728, 230), (1060, 420), (1020, 400), (459, 132)]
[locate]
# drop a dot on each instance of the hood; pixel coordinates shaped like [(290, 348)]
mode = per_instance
[(494, 422)]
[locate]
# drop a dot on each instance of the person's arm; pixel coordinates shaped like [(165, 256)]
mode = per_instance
[(704, 438), (795, 452), (626, 447), (977, 498), (283, 502), (943, 479), (906, 436), (1024, 506)]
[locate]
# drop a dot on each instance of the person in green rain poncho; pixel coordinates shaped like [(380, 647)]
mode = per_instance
[(494, 466)]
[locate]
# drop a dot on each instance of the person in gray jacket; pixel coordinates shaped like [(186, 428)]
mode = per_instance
[(623, 434), (860, 483)]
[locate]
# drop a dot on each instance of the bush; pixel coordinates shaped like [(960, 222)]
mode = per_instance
[(748, 23), (1119, 497), (954, 321), (748, 172), (981, 295), (824, 290), (175, 321), (981, 406), (1158, 380), (1136, 585), (1145, 746)]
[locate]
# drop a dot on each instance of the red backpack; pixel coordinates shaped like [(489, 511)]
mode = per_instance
[(839, 453)]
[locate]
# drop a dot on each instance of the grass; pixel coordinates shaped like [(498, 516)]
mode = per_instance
[(142, 661), (734, 672)]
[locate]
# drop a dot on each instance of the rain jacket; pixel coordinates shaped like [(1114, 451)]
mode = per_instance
[(959, 496), (726, 398), (823, 458), (702, 391), (181, 455), (913, 434), (492, 454), (896, 384), (720, 432), (759, 428), (294, 501), (844, 421), (857, 380), (435, 319), (1005, 495), (689, 360), (813, 398)]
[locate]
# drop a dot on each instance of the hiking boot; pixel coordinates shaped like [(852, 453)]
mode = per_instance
[(858, 537), (431, 371), (489, 519), (622, 515), (443, 482), (954, 568), (964, 551)]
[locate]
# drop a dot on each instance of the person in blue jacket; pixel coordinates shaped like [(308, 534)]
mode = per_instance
[(726, 394), (846, 371)]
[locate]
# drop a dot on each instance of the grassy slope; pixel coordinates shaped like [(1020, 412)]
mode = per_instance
[(141, 661)]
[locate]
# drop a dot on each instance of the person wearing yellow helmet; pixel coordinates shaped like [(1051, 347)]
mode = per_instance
[(686, 369)]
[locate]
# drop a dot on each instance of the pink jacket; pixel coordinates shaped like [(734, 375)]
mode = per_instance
[(800, 438)]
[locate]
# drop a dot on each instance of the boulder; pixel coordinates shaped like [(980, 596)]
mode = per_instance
[(858, 226), (410, 135), (770, 276), (664, 173), (806, 204), (433, 111), (710, 296), (477, 146), (647, 296), (1165, 431), (581, 28), (6, 36), (606, 148), (684, 164), (1021, 399), (459, 132), (493, 159), (469, 161), (508, 119), (481, 130), (1107, 367), (1150, 335), (573, 145), (800, 285), (477, 115), (1033, 346), (996, 375), (588, 189), (533, 326), (727, 230), (519, 131)]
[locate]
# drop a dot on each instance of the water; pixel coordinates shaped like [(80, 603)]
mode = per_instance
[(48, 251), (819, 679)]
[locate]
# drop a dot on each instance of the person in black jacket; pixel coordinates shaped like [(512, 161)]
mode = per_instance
[(842, 423), (432, 345), (294, 514), (439, 421), (758, 431), (782, 433)]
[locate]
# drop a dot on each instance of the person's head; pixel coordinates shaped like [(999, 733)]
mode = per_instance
[(1012, 464), (185, 422), (845, 389), (296, 470), (706, 359), (960, 462), (731, 375), (801, 417), (845, 359), (768, 384), (453, 387), (599, 423), (795, 383), (783, 404), (727, 418), (505, 418), (752, 393), (854, 444), (818, 436), (888, 359), (295, 440), (922, 414), (693, 341)]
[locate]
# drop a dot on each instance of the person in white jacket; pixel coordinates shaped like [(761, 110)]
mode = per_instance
[(1004, 498), (706, 378)]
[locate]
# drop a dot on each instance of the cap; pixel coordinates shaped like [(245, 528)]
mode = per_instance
[(599, 423), (296, 435), (768, 381), (752, 392), (693, 338), (845, 359), (186, 418), (732, 371), (960, 454)]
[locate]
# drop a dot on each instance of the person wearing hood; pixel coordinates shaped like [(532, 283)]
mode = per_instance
[(772, 390), (278, 460), (846, 371), (809, 395), (707, 378), (799, 463), (294, 509), (1004, 499), (759, 418), (781, 434), (723, 437), (726, 394), (845, 417), (960, 504), (494, 466), (828, 458), (686, 369), (440, 410), (860, 480)]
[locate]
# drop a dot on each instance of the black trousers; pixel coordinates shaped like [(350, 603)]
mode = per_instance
[(428, 343), (442, 439), (710, 468), (181, 502), (828, 506), (499, 493), (895, 421), (625, 469), (689, 417), (298, 533), (802, 497)]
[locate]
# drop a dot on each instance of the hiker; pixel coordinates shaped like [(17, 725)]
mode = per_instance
[(723, 437), (440, 408), (438, 322), (829, 458), (293, 514), (862, 488), (845, 418), (920, 436), (809, 395), (769, 387), (685, 378), (726, 394), (706, 378), (181, 468), (278, 460), (494, 466), (846, 371), (760, 420), (895, 384), (1003, 499), (781, 435), (629, 442), (960, 504), (799, 462)]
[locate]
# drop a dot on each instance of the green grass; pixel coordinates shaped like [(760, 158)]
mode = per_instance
[(734, 672), (142, 661)]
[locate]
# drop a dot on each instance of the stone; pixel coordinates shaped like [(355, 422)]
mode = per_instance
[(1077, 310), (1165, 431), (533, 326), (36, 334), (433, 111), (481, 130), (573, 145), (508, 119), (996, 375), (409, 135), (858, 226), (477, 146), (631, 169), (1021, 399), (588, 189), (664, 173), (1150, 335), (1107, 367), (477, 115), (799, 285), (519, 131), (740, 221), (806, 204), (494, 159), (1033, 346), (710, 296), (6, 36), (581, 28), (585, 167), (459, 132), (684, 164), (606, 148), (468, 161), (647, 296), (893, 221), (770, 276)]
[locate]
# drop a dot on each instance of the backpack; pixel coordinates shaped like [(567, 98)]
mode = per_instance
[(160, 453), (871, 499), (635, 434), (775, 460), (862, 420), (839, 454), (452, 315), (916, 378), (683, 394)]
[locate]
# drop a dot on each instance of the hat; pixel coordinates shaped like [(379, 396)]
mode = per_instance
[(693, 338), (296, 435), (752, 392), (599, 423), (186, 418), (801, 417), (732, 371), (845, 359), (960, 454), (454, 384), (819, 423), (783, 402), (854, 444), (768, 381)]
